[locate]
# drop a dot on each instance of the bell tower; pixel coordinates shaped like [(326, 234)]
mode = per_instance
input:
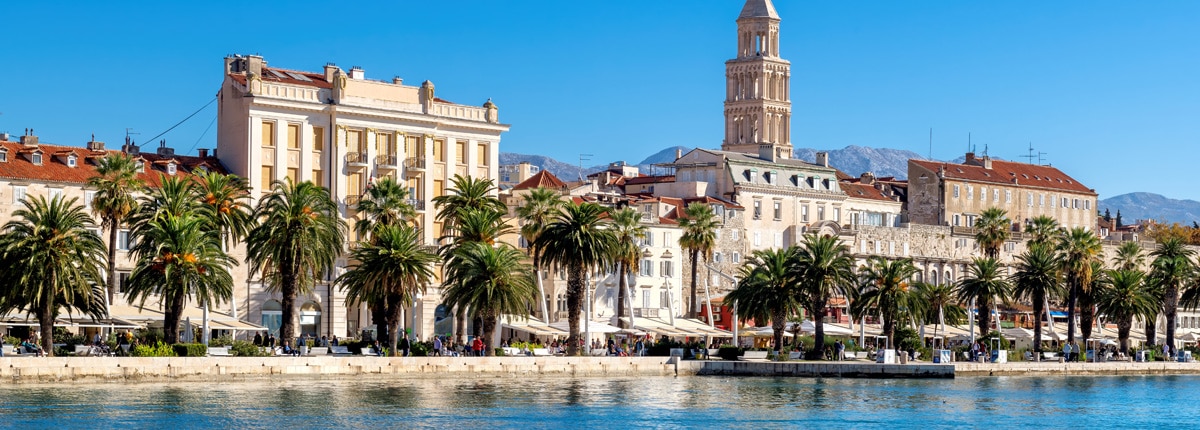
[(758, 107)]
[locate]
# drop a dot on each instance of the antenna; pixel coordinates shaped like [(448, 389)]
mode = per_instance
[(1039, 155), (930, 143), (582, 158), (1030, 157)]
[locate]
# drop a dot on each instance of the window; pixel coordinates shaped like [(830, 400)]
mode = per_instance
[(318, 138), (3, 156), (956, 191), (733, 234), (481, 153), (737, 258), (54, 193), (122, 282), (716, 257), (268, 175), (757, 239), (982, 193), (995, 195), (318, 178), (820, 213), (1065, 203), (293, 174), (773, 178), (1007, 196), (645, 299), (268, 133), (88, 196), (460, 151), (666, 238), (439, 150), (778, 210), (293, 136), (354, 184), (667, 269), (383, 144), (123, 240), (439, 187), (1029, 199), (664, 299), (170, 168), (757, 209), (650, 239), (1087, 204), (18, 194), (837, 214), (1041, 200), (804, 212), (36, 158), (970, 192), (71, 161), (779, 240), (1075, 204), (957, 220), (1010, 246), (647, 268)]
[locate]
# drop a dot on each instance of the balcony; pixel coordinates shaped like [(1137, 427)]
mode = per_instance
[(646, 312), (417, 204), (352, 201), (356, 159), (386, 162), (414, 164)]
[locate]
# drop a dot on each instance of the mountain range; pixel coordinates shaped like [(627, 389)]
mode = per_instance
[(883, 162)]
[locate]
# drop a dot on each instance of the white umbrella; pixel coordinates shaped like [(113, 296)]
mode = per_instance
[(764, 332), (596, 327), (830, 329)]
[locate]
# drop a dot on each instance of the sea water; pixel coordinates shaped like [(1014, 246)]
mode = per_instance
[(619, 402)]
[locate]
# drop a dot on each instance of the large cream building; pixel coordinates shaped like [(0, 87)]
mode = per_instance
[(343, 131)]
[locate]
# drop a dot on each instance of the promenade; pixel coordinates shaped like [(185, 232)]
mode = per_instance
[(34, 370)]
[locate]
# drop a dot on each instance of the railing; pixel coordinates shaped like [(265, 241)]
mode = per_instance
[(416, 204), (646, 312), (414, 163), (352, 201), (458, 111), (356, 158), (386, 161)]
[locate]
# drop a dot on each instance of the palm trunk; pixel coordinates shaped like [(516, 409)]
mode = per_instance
[(112, 263), (394, 309), (695, 266), (819, 331), (1072, 299), (1171, 311), (1151, 328), (287, 329), (778, 322), (1087, 315), (574, 308), (171, 316), (984, 317), (1123, 328), (379, 316), (489, 332), (621, 284), (46, 319), (1039, 301)]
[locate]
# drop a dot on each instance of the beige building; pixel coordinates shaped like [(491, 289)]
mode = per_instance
[(343, 131), (956, 194)]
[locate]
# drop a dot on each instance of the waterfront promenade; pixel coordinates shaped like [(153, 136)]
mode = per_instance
[(33, 370)]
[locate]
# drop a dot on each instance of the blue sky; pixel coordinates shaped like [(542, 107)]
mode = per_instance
[(1108, 89)]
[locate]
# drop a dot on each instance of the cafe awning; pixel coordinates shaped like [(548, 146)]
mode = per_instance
[(530, 325)]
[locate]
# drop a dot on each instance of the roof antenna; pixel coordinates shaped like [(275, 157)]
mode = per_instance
[(582, 158), (930, 143)]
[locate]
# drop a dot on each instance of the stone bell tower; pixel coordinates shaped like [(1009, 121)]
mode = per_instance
[(758, 107)]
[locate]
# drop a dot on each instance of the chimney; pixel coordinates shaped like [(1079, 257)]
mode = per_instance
[(4, 137), (29, 139), (255, 64), (357, 73), (867, 178), (970, 159), (766, 151), (987, 162), (823, 159), (95, 146), (426, 95), (203, 152), (397, 80), (330, 68), (163, 150), (678, 153)]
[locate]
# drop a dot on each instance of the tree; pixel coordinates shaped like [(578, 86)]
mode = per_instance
[(823, 268), (767, 290), (1171, 269), (699, 237), (1038, 279), (537, 210), (465, 192), (1107, 215), (298, 238), (179, 257), (578, 240), (1044, 230), (884, 286), (226, 198), (986, 286), (1130, 256), (388, 272), (1119, 223), (937, 303), (1077, 249), (491, 281), (991, 230), (1123, 297), (50, 261), (628, 229), (384, 203), (115, 182)]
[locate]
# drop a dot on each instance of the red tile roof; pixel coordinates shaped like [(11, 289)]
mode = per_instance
[(542, 179), (269, 75), (1010, 173), (864, 191), (19, 167), (649, 180)]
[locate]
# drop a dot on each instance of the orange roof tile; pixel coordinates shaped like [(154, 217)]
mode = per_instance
[(52, 170), (1007, 172), (864, 191), (542, 179)]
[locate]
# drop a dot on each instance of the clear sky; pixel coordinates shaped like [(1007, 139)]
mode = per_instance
[(1110, 90)]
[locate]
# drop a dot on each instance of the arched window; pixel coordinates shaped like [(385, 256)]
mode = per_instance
[(272, 316), (310, 319)]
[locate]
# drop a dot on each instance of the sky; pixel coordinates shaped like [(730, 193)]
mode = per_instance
[(1109, 90)]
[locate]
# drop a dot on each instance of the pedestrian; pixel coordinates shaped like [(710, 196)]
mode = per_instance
[(437, 345), (477, 346), (404, 346), (1166, 352), (257, 339), (841, 350)]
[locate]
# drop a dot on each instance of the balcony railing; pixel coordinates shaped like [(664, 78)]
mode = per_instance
[(414, 163), (356, 159), (646, 312), (352, 201), (386, 162), (416, 204)]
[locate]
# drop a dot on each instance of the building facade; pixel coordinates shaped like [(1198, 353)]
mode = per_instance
[(344, 131)]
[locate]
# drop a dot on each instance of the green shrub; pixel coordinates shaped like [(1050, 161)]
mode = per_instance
[(190, 349), (148, 337), (158, 350), (12, 340), (907, 339), (242, 348), (1004, 344), (421, 349), (221, 341), (499, 352), (729, 352)]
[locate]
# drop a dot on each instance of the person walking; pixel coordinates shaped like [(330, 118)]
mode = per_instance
[(477, 346), (404, 346), (437, 346), (841, 350)]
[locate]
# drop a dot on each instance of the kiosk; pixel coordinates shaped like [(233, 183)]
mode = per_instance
[(998, 355), (886, 354), (940, 353)]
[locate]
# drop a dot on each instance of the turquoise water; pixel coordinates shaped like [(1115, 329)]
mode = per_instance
[(656, 402)]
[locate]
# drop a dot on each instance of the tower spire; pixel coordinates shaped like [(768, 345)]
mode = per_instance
[(758, 107)]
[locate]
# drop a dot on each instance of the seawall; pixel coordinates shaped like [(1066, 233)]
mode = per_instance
[(833, 369), (209, 369), (1112, 368)]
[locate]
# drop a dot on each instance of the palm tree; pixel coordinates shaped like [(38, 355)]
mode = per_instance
[(628, 228), (116, 182), (299, 237), (1043, 229), (539, 208), (991, 230), (49, 261), (823, 268), (579, 241), (466, 192), (1038, 279), (986, 286), (384, 203), (1077, 249), (388, 272), (937, 303), (768, 290), (179, 257), (491, 281), (699, 237), (1170, 271), (1087, 299), (1123, 297), (884, 286), (227, 198), (1130, 256)]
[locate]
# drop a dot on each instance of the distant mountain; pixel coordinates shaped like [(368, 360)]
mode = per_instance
[(855, 160), (564, 171), (664, 156), (1135, 206)]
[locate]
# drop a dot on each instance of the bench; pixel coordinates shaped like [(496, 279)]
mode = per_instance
[(541, 352), (318, 350), (712, 353), (339, 350), (795, 355), (219, 351), (1050, 356), (82, 350), (370, 350), (677, 352), (753, 356)]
